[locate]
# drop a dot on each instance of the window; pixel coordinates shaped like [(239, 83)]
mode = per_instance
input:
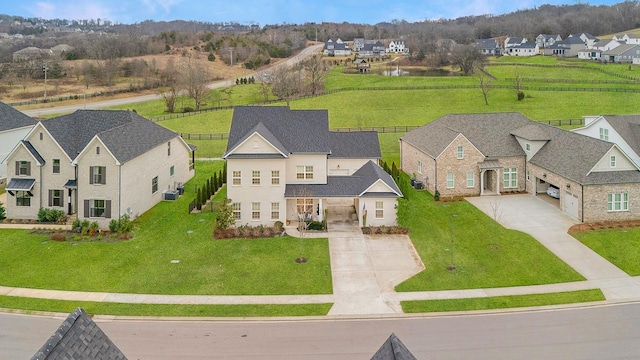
[(304, 206), (527, 147), (169, 148), (55, 198), (171, 171), (612, 161), (528, 176), (450, 182), (23, 168), (237, 177), (460, 152), (255, 211), (275, 177), (237, 211), (97, 175), (56, 166), (419, 167), (618, 202), (97, 150), (304, 172), (379, 209), (23, 198), (510, 178), (154, 185), (41, 136), (96, 208), (275, 211), (470, 179), (604, 134), (255, 177)]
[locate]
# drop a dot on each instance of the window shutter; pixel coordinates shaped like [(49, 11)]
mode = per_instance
[(107, 209), (50, 197), (29, 168), (17, 168), (90, 174), (86, 208), (104, 175)]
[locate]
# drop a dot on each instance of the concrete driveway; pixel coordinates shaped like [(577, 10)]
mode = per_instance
[(547, 224)]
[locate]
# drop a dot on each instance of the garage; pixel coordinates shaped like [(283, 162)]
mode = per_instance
[(570, 204), (548, 192)]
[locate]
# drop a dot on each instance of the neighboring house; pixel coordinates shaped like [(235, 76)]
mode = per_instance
[(587, 39), (358, 44), (568, 47), (622, 54), (14, 126), (524, 49), (488, 154), (98, 164), (282, 164), (362, 65), (336, 47), (546, 40), (513, 41), (623, 130), (627, 38), (489, 47), (590, 54), (606, 45), (397, 47), (372, 49)]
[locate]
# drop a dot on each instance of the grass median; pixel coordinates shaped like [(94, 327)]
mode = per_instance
[(621, 247)]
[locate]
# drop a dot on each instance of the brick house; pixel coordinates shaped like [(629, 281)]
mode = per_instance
[(489, 154)]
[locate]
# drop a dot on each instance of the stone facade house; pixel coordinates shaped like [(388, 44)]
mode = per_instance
[(285, 164), (14, 126), (97, 164), (489, 154)]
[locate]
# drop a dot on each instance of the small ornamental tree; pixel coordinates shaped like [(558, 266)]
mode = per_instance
[(215, 182), (199, 199), (224, 216), (224, 173)]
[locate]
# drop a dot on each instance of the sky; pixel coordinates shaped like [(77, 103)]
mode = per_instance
[(270, 11)]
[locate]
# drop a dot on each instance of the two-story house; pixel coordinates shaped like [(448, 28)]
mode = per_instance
[(546, 40), (283, 164), (336, 47), (489, 154), (397, 47), (490, 47), (14, 126), (98, 164)]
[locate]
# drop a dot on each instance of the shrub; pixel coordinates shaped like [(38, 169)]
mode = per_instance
[(76, 225), (2, 212), (436, 196), (125, 225), (278, 226), (51, 215), (520, 95), (315, 225), (57, 236), (94, 228), (113, 225)]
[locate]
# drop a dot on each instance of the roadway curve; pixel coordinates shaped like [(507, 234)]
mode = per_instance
[(135, 99), (596, 332)]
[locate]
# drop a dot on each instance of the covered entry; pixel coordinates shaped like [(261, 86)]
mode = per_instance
[(489, 184)]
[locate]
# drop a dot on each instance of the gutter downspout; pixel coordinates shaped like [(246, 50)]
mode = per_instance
[(119, 191), (582, 204), (41, 166)]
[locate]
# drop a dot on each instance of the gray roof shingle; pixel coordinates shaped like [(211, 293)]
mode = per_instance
[(296, 131), (79, 338), (11, 118), (125, 133), (393, 349), (33, 152), (354, 145), (628, 126)]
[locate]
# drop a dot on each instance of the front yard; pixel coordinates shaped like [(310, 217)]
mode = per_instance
[(621, 247)]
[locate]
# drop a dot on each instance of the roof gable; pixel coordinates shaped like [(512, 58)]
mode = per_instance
[(11, 118), (260, 141)]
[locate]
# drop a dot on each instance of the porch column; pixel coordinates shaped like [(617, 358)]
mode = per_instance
[(497, 181), (320, 210), (69, 206), (482, 182)]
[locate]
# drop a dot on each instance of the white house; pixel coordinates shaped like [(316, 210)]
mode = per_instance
[(14, 126), (622, 130), (99, 164), (524, 49), (397, 47), (285, 164)]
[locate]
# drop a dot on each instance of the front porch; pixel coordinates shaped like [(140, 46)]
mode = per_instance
[(489, 177)]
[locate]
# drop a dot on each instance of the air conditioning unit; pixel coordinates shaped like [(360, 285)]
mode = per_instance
[(170, 195)]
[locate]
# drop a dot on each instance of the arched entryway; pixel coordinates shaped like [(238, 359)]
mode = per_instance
[(489, 177)]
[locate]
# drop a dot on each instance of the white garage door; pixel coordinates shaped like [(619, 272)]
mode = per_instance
[(571, 204)]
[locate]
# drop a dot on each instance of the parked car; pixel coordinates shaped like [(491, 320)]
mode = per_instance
[(553, 191)]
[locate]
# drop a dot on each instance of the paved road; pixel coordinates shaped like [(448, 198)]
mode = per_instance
[(135, 99), (604, 332)]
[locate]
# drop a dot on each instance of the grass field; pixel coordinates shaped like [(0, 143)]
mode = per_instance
[(485, 254), (164, 233), (502, 302), (621, 247)]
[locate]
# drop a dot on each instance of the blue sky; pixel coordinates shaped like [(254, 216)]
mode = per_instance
[(270, 11)]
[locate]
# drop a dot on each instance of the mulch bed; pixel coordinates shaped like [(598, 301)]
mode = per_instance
[(601, 225)]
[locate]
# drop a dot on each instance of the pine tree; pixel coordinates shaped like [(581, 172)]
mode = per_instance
[(215, 182), (224, 173), (199, 199)]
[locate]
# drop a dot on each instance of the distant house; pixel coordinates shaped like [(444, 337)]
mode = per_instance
[(358, 44), (362, 65), (336, 47), (489, 47), (568, 47), (590, 54), (397, 47), (97, 164), (546, 40), (14, 126), (627, 38), (523, 49), (285, 164), (587, 39), (622, 54), (489, 154), (605, 45), (513, 41), (372, 50)]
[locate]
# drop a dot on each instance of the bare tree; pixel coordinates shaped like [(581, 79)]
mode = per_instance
[(170, 78), (195, 77), (485, 81), (285, 83), (468, 58), (264, 78), (517, 85), (315, 70)]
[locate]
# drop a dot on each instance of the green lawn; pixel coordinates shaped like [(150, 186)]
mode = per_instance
[(485, 254), (32, 304), (143, 264), (502, 302), (621, 247)]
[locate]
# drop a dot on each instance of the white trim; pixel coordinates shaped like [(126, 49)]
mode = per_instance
[(88, 146), (255, 133), (374, 184)]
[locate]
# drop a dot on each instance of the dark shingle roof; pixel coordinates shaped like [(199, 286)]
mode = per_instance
[(125, 133), (79, 338), (490, 133), (628, 126), (393, 349), (347, 186), (354, 145), (531, 132), (11, 118), (33, 152), (296, 131)]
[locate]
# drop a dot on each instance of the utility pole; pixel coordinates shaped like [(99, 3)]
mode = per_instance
[(45, 69), (231, 51)]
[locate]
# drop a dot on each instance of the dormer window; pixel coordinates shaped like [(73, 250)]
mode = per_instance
[(527, 147), (604, 134)]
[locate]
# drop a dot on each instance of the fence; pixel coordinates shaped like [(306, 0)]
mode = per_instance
[(611, 73), (383, 129), (192, 205), (52, 99)]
